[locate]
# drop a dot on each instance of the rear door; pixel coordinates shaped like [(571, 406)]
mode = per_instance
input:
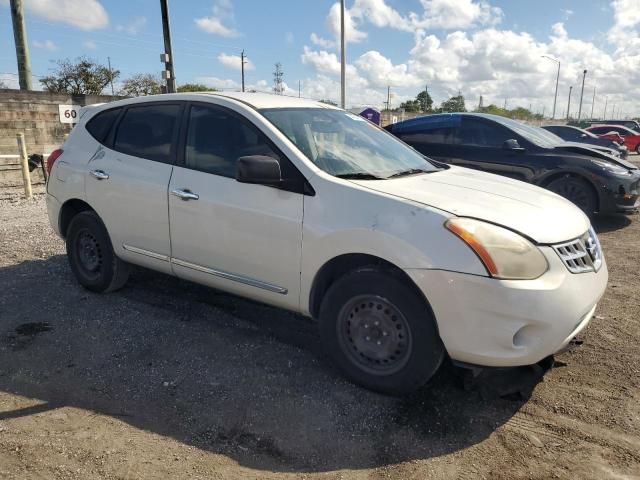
[(242, 238), (433, 138), (480, 145), (127, 182)]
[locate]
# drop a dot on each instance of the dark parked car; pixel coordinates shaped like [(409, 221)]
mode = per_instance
[(594, 181), (578, 135)]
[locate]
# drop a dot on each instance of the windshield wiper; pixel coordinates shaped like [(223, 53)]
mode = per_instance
[(358, 176), (411, 171)]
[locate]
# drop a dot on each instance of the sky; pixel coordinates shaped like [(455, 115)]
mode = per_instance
[(492, 48)]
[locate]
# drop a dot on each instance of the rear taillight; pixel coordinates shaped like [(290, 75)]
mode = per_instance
[(52, 159)]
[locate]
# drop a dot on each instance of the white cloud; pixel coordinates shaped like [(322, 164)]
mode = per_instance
[(380, 72), (46, 45), (452, 14), (325, 62), (289, 38), (134, 26), (233, 62), (83, 14), (322, 42), (90, 44), (222, 13)]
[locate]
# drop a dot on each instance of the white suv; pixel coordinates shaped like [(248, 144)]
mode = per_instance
[(310, 208)]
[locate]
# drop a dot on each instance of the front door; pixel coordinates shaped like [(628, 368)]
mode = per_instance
[(127, 183), (479, 144), (242, 238)]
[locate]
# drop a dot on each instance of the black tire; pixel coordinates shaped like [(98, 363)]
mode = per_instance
[(399, 313), (91, 255), (638, 149), (577, 191)]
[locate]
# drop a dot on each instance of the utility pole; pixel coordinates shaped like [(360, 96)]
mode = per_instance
[(168, 53), (593, 102), (22, 50), (505, 103), (569, 103), (343, 65), (242, 62), (299, 88), (110, 76), (606, 101), (388, 98), (584, 75), (426, 98), (555, 98)]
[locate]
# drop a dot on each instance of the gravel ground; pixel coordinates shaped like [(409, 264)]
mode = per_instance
[(167, 379)]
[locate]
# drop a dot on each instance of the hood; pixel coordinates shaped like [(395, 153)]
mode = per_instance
[(534, 212), (595, 151)]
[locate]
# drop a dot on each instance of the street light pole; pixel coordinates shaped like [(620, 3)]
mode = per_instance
[(342, 57), (584, 75), (606, 101), (593, 102), (555, 98), (569, 103)]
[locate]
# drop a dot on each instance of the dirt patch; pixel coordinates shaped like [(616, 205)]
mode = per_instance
[(167, 379)]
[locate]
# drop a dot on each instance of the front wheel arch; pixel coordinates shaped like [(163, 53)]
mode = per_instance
[(551, 178)]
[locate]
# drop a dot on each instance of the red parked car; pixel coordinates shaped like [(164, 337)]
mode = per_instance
[(631, 138)]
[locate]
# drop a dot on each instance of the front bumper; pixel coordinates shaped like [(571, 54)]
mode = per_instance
[(620, 194), (504, 323)]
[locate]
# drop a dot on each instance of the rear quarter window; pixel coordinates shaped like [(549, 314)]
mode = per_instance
[(100, 125)]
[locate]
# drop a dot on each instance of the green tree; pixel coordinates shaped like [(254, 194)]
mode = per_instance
[(329, 102), (82, 76), (454, 104), (195, 87), (422, 103), (140, 85)]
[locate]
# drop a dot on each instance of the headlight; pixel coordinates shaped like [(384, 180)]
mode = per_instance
[(611, 167), (504, 253)]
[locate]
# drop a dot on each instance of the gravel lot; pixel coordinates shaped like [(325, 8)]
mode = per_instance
[(167, 379)]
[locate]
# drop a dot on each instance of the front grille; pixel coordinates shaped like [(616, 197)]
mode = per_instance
[(581, 255)]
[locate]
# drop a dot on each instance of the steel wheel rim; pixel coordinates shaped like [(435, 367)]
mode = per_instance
[(374, 334), (89, 253)]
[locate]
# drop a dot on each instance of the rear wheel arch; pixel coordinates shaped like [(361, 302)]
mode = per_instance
[(341, 265), (69, 210)]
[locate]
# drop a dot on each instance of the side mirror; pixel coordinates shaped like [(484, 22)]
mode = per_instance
[(512, 144), (259, 169)]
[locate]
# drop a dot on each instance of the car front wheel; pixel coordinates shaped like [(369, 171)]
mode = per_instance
[(577, 191), (380, 332), (91, 255)]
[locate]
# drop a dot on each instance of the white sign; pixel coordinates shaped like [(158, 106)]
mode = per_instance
[(69, 113)]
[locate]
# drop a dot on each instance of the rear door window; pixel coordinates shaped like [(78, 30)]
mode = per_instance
[(149, 131), (100, 125), (475, 132), (442, 135)]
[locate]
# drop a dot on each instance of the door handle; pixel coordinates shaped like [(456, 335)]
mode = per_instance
[(99, 174), (185, 194)]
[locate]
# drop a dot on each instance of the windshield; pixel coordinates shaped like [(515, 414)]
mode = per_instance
[(347, 145), (536, 135)]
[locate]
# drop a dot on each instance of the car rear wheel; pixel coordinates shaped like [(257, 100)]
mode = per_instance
[(380, 332), (638, 149), (91, 255), (577, 191)]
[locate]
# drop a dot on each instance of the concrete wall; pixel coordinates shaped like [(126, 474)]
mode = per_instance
[(36, 115)]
